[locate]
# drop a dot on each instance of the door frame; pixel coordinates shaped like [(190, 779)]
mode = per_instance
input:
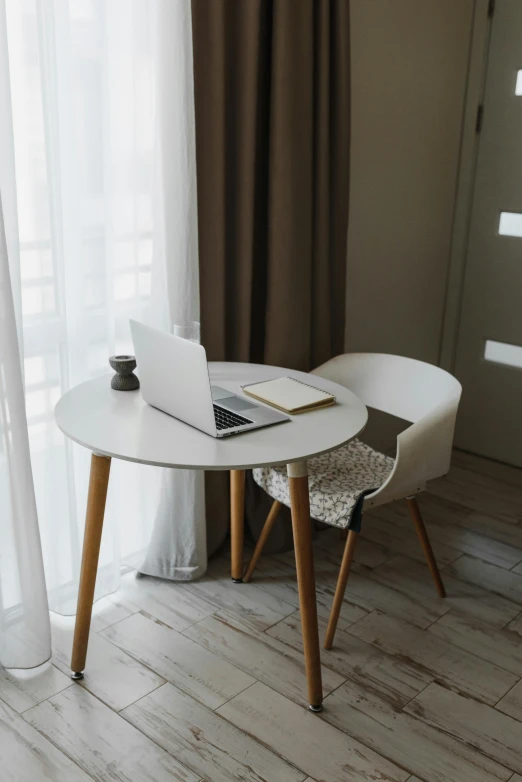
[(476, 78)]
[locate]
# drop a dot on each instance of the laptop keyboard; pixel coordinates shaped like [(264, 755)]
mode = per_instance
[(226, 420)]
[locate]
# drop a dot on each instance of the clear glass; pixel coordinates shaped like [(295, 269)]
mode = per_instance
[(189, 329)]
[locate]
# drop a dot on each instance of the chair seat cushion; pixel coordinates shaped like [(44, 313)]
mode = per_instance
[(337, 482)]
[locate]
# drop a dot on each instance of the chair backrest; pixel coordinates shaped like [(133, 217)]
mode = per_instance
[(400, 386), (421, 393)]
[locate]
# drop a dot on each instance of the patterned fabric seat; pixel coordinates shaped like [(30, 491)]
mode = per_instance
[(337, 481)]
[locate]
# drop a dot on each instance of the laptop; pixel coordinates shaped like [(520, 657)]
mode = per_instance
[(174, 378)]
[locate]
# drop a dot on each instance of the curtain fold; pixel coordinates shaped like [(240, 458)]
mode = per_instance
[(273, 137), (178, 547), (25, 636), (103, 178), (272, 146)]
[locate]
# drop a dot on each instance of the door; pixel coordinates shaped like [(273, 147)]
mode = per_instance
[(489, 348)]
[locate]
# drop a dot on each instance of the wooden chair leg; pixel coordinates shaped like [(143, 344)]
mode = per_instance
[(265, 532), (340, 589), (413, 505), (237, 523), (98, 483), (304, 560)]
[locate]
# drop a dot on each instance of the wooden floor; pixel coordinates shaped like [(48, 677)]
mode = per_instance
[(205, 681)]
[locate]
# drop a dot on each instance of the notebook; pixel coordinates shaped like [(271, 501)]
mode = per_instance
[(289, 395)]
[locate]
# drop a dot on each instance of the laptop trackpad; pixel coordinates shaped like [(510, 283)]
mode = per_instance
[(236, 403)]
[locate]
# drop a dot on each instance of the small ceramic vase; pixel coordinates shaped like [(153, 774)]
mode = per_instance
[(124, 379)]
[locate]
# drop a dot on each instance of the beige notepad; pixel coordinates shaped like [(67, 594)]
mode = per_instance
[(289, 395)]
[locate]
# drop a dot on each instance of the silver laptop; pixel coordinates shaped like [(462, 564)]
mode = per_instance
[(174, 378)]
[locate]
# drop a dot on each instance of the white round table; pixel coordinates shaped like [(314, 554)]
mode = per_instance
[(119, 424)]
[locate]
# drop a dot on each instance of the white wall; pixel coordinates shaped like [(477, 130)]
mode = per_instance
[(409, 70)]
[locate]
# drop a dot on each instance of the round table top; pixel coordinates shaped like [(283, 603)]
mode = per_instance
[(121, 425)]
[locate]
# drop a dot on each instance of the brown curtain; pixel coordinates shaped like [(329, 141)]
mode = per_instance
[(272, 148)]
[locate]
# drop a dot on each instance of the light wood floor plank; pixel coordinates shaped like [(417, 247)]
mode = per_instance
[(350, 613), (511, 703), (497, 580), (494, 528), (23, 689), (258, 654), (113, 676), (480, 492), (196, 671), (402, 539), (501, 647), (204, 741), (501, 473), (516, 625), (167, 601), (109, 610), (279, 578), (429, 753), (367, 552), (395, 678), (433, 509), (255, 607), (445, 662), (466, 597), (421, 689), (474, 724), (450, 528), (305, 740), (102, 743), (369, 590), (26, 756)]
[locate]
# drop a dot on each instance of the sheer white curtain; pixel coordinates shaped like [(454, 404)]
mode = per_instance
[(25, 639), (178, 548), (103, 117)]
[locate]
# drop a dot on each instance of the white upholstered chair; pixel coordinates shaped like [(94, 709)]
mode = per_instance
[(421, 393)]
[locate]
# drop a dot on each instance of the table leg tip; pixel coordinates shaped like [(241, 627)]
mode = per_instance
[(316, 709), (76, 675), (237, 580)]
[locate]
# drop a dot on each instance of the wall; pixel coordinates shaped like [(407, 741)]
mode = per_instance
[(409, 71)]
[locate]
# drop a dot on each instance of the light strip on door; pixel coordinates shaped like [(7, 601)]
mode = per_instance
[(518, 85), (503, 353), (510, 224)]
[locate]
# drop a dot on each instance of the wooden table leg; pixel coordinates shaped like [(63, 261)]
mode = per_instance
[(304, 558), (98, 483), (237, 523)]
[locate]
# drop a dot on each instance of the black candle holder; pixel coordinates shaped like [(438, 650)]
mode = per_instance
[(124, 379)]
